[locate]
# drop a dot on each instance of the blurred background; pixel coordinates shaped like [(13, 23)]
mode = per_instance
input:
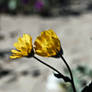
[(72, 22)]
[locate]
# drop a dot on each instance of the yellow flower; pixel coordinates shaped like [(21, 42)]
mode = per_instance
[(23, 47), (47, 44)]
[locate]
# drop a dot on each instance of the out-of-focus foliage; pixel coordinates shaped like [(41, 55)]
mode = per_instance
[(44, 7), (24, 6), (82, 77)]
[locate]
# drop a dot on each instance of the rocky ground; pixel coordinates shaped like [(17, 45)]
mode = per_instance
[(28, 75)]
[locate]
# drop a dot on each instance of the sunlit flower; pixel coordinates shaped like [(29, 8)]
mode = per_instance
[(23, 47), (47, 44)]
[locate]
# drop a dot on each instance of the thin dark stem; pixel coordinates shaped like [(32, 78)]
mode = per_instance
[(62, 76), (72, 80)]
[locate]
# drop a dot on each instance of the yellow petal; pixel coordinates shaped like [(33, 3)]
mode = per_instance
[(28, 41), (27, 37), (17, 46), (14, 57), (23, 46), (20, 47), (47, 43), (20, 40), (41, 53), (16, 52)]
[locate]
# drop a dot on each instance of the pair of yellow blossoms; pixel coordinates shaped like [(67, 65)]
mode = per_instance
[(47, 44)]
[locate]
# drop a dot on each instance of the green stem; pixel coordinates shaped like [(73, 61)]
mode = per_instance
[(72, 80), (61, 75)]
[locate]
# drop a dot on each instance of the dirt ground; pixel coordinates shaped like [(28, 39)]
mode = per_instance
[(28, 75)]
